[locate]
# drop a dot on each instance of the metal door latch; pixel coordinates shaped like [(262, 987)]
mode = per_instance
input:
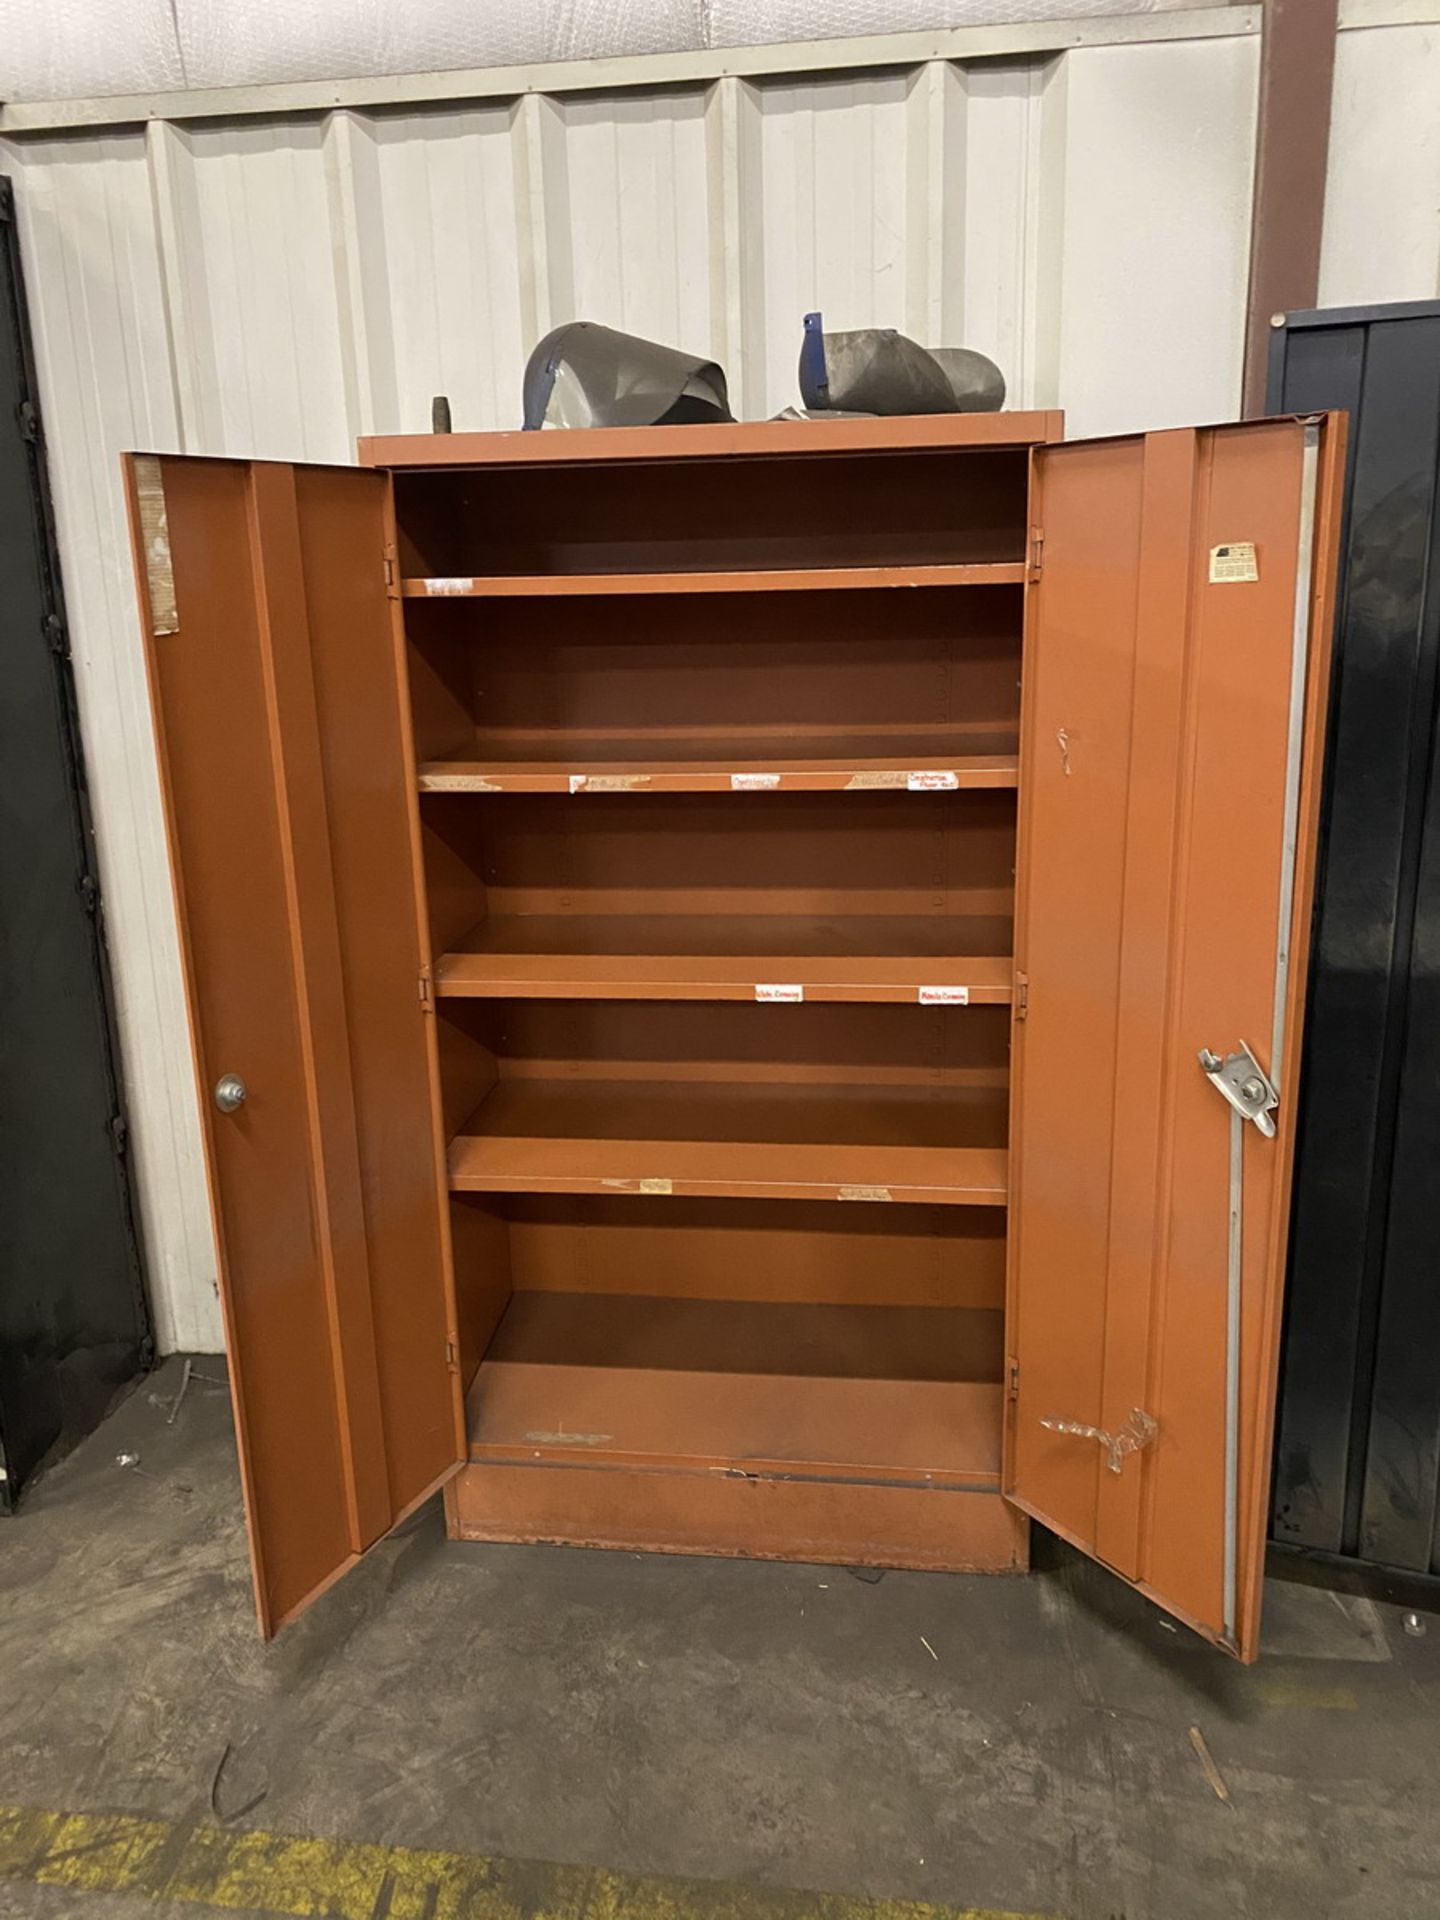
[(1245, 1084)]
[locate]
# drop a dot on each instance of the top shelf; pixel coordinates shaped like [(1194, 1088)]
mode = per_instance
[(769, 580), (809, 439)]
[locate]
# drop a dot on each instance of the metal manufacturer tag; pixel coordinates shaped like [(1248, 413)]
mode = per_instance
[(1233, 563)]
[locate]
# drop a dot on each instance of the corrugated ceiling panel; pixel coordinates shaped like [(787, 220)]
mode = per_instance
[(635, 187), (1382, 236), (263, 234), (1153, 261), (446, 214)]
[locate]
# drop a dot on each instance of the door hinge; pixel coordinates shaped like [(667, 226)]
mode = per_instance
[(90, 893), (452, 1358), (1037, 548), (427, 993), (53, 628), (1022, 996), (1012, 1379), (28, 418), (119, 1133), (392, 567)]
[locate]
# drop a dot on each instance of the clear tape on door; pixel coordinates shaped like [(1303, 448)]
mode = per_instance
[(1138, 1431)]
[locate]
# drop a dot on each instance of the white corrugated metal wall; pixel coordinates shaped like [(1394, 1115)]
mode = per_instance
[(275, 286)]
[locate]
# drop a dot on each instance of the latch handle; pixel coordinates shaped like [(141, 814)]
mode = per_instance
[(1244, 1083)]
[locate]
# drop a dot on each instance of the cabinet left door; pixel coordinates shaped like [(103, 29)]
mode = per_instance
[(282, 725)]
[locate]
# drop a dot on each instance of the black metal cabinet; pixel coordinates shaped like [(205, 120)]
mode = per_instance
[(73, 1324), (1358, 1449)]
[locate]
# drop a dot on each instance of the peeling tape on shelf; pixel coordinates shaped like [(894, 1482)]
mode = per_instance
[(155, 540), (889, 778), (608, 782), (866, 1193), (459, 783), (778, 991), (753, 782), (944, 996), (640, 1186)]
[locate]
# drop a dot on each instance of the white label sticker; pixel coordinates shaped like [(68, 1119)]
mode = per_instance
[(864, 1193), (608, 782), (657, 1186), (457, 585), (931, 778), (753, 782), (769, 992), (1234, 562), (944, 996)]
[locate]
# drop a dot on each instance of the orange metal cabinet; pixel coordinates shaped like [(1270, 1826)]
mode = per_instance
[(746, 981)]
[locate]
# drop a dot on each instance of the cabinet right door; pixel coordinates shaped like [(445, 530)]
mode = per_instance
[(1176, 665)]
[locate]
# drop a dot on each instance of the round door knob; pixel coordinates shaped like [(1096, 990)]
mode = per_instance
[(230, 1091)]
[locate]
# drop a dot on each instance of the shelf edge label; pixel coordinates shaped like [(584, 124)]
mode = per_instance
[(929, 779), (944, 996), (753, 782), (608, 782), (865, 1193), (778, 991), (457, 584)]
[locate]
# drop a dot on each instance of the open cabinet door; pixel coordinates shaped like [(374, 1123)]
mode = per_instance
[(286, 764), (1176, 662)]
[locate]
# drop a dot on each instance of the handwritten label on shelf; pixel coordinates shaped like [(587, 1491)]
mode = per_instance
[(888, 777), (944, 996), (458, 584), (608, 782), (459, 783), (865, 1193), (931, 778), (753, 782), (779, 992)]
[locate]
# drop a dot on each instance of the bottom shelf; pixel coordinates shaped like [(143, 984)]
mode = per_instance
[(888, 1395)]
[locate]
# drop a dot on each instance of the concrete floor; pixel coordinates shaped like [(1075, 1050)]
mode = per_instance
[(771, 1725)]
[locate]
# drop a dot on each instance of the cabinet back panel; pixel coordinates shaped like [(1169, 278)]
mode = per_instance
[(666, 669), (936, 505), (766, 853), (726, 1044), (857, 1255)]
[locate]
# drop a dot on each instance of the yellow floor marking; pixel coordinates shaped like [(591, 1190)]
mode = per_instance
[(1282, 1692), (277, 1873)]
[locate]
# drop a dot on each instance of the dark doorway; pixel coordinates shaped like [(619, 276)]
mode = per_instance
[(73, 1323)]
